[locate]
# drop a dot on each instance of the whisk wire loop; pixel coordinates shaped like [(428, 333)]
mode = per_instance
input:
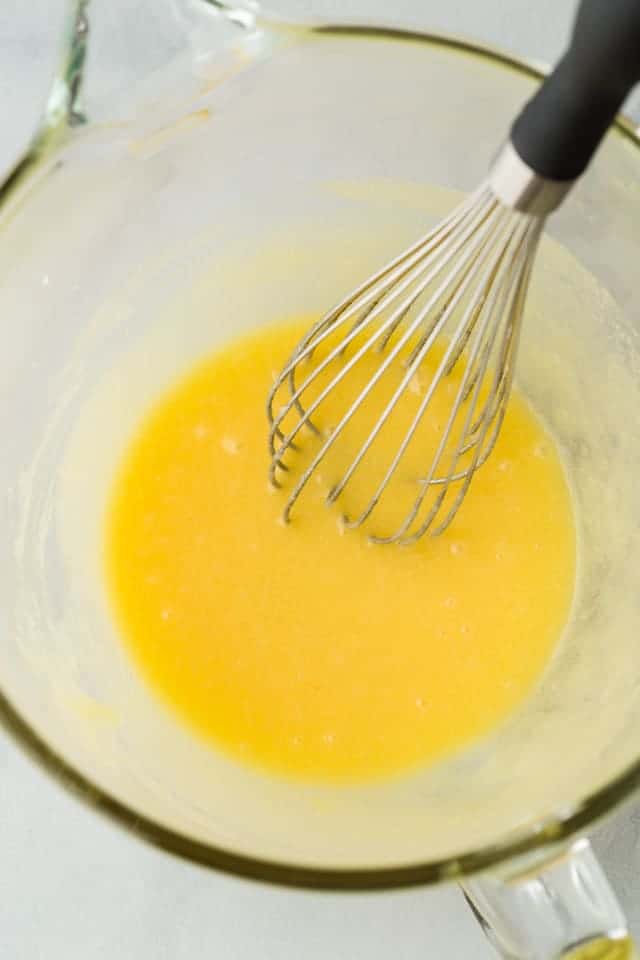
[(460, 289)]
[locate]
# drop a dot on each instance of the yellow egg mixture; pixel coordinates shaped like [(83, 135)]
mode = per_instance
[(317, 655)]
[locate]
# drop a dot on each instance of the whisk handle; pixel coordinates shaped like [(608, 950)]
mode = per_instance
[(559, 130)]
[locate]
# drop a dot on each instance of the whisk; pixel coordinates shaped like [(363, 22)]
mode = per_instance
[(457, 295)]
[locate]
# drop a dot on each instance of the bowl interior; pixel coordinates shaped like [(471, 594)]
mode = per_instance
[(137, 248)]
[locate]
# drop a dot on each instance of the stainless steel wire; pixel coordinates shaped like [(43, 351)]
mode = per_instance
[(459, 291)]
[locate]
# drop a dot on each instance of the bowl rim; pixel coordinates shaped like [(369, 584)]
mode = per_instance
[(550, 831)]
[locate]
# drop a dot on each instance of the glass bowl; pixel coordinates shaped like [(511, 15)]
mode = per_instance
[(227, 190)]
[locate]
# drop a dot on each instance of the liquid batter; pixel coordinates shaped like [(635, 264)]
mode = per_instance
[(315, 655)]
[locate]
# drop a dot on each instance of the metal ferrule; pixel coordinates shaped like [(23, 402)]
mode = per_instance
[(518, 186)]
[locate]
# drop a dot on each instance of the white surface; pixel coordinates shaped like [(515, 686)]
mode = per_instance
[(73, 885)]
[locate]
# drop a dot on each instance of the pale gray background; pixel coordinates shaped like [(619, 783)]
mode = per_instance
[(72, 886)]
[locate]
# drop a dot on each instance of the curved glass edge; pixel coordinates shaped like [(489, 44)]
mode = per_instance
[(62, 107), (243, 14), (550, 832), (61, 112)]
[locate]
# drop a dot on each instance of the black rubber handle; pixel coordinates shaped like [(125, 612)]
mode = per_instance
[(559, 130)]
